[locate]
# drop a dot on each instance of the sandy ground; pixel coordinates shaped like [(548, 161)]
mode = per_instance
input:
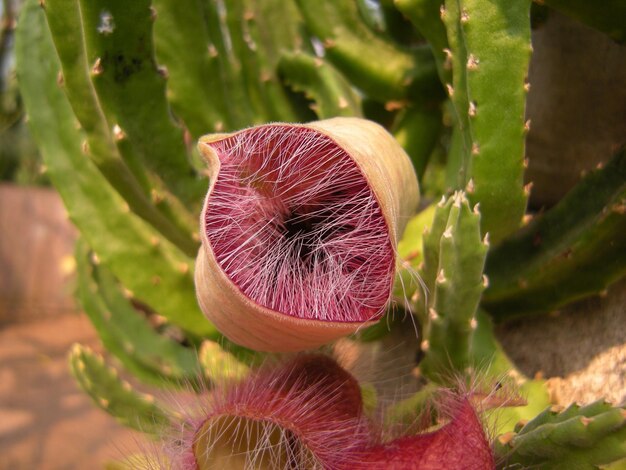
[(581, 349), (46, 422)]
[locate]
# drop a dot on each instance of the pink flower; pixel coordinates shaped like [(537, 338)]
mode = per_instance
[(308, 414), (299, 230), (304, 414), (461, 444)]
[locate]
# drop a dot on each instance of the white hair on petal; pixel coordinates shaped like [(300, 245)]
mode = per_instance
[(294, 224)]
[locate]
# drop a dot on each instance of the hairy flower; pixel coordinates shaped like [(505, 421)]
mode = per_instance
[(299, 230), (308, 413), (305, 414), (461, 443)]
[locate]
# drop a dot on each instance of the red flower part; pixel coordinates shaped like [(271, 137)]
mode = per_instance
[(304, 414), (299, 230), (461, 444)]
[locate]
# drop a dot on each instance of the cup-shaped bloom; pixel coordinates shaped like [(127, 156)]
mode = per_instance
[(306, 413), (299, 230), (461, 443)]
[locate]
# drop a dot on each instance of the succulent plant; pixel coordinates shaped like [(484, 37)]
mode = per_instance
[(119, 92)]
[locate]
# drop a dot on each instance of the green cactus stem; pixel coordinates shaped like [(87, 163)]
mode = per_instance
[(138, 255), (219, 365), (330, 92), (150, 356), (417, 129), (410, 252), (383, 70), (425, 16), (114, 395), (519, 399), (489, 55), (383, 17), (105, 143), (454, 257), (607, 17), (264, 43), (575, 249), (491, 364), (131, 88), (183, 46), (579, 437), (372, 15)]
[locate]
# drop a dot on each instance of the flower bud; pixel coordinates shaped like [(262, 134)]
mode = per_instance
[(299, 230)]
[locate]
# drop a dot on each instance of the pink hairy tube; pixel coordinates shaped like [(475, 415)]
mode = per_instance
[(299, 230)]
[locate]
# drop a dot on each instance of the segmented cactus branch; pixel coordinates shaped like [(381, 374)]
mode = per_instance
[(105, 141), (454, 256), (575, 249), (330, 92), (585, 437), (489, 54), (425, 15), (417, 129), (131, 87), (153, 358), (114, 395), (383, 70), (154, 270), (195, 87)]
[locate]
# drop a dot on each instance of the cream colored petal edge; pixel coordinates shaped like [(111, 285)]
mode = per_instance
[(248, 324)]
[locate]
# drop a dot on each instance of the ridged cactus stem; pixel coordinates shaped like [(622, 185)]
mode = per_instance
[(331, 93), (383, 70), (114, 395), (417, 129), (184, 46), (488, 93), (105, 142), (259, 44), (575, 249), (131, 87), (458, 283), (154, 358), (425, 16), (585, 437), (138, 254)]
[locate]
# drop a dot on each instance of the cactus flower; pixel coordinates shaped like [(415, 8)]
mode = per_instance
[(461, 443), (308, 413), (299, 230)]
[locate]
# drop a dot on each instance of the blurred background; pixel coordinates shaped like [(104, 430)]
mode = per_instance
[(45, 421)]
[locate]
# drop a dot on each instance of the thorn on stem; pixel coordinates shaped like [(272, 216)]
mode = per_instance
[(472, 62), (97, 68)]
